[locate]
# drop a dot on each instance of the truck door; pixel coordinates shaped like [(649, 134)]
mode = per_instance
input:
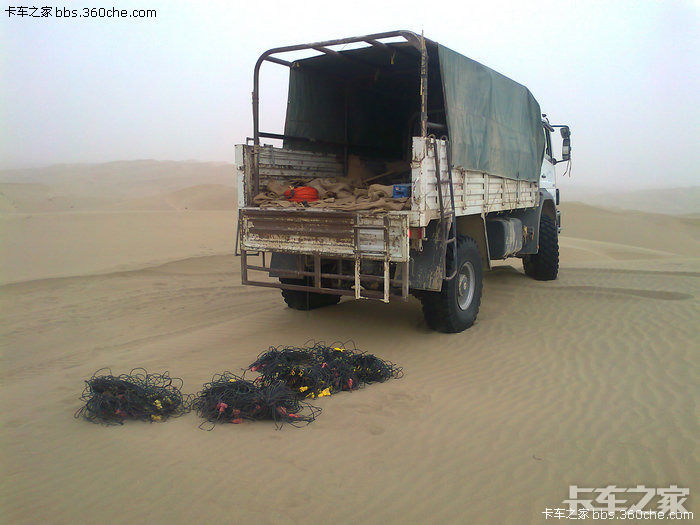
[(548, 174)]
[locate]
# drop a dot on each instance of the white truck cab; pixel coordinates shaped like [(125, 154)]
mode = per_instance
[(548, 173)]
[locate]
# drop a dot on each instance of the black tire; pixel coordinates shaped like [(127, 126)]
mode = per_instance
[(544, 265), (454, 308), (299, 300)]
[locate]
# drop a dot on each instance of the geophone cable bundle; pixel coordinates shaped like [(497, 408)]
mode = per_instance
[(321, 369), (287, 376), (228, 398), (139, 395)]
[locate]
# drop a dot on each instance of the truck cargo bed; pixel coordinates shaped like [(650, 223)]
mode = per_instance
[(474, 192)]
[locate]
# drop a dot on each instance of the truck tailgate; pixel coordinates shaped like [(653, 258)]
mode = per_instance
[(328, 233)]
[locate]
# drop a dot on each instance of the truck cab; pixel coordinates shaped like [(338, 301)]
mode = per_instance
[(548, 176)]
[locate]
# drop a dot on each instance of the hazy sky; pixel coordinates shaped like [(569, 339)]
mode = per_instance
[(623, 75)]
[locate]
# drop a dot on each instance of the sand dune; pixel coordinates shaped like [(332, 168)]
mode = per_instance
[(586, 380), (200, 197), (44, 245), (97, 187), (135, 176), (672, 201), (654, 231)]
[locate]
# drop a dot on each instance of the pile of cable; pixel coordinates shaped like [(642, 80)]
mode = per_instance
[(298, 368), (137, 395), (228, 398), (320, 370)]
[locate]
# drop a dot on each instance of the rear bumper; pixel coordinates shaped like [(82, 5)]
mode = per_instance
[(381, 286), (329, 251)]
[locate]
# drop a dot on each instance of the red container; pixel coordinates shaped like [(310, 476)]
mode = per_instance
[(301, 194)]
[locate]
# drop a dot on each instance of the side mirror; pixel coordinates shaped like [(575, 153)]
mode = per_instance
[(566, 150), (566, 143)]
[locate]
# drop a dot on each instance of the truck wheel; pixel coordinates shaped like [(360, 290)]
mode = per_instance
[(299, 300), (454, 308), (544, 265)]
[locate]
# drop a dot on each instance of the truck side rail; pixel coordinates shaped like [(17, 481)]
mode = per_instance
[(475, 192)]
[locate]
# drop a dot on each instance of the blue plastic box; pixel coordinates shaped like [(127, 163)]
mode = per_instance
[(402, 190)]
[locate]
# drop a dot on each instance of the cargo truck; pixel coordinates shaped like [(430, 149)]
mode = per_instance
[(478, 182)]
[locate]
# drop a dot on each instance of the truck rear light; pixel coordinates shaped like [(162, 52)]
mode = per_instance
[(416, 233)]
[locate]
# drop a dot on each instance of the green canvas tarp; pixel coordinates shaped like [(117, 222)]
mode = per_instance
[(378, 106), (494, 124)]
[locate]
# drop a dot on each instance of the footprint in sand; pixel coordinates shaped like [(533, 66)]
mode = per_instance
[(375, 430)]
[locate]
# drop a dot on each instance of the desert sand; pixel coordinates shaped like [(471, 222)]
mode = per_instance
[(590, 380)]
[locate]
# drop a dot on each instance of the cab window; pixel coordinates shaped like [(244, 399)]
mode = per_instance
[(547, 143)]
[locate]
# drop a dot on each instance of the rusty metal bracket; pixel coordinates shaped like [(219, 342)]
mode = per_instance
[(317, 275), (447, 220)]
